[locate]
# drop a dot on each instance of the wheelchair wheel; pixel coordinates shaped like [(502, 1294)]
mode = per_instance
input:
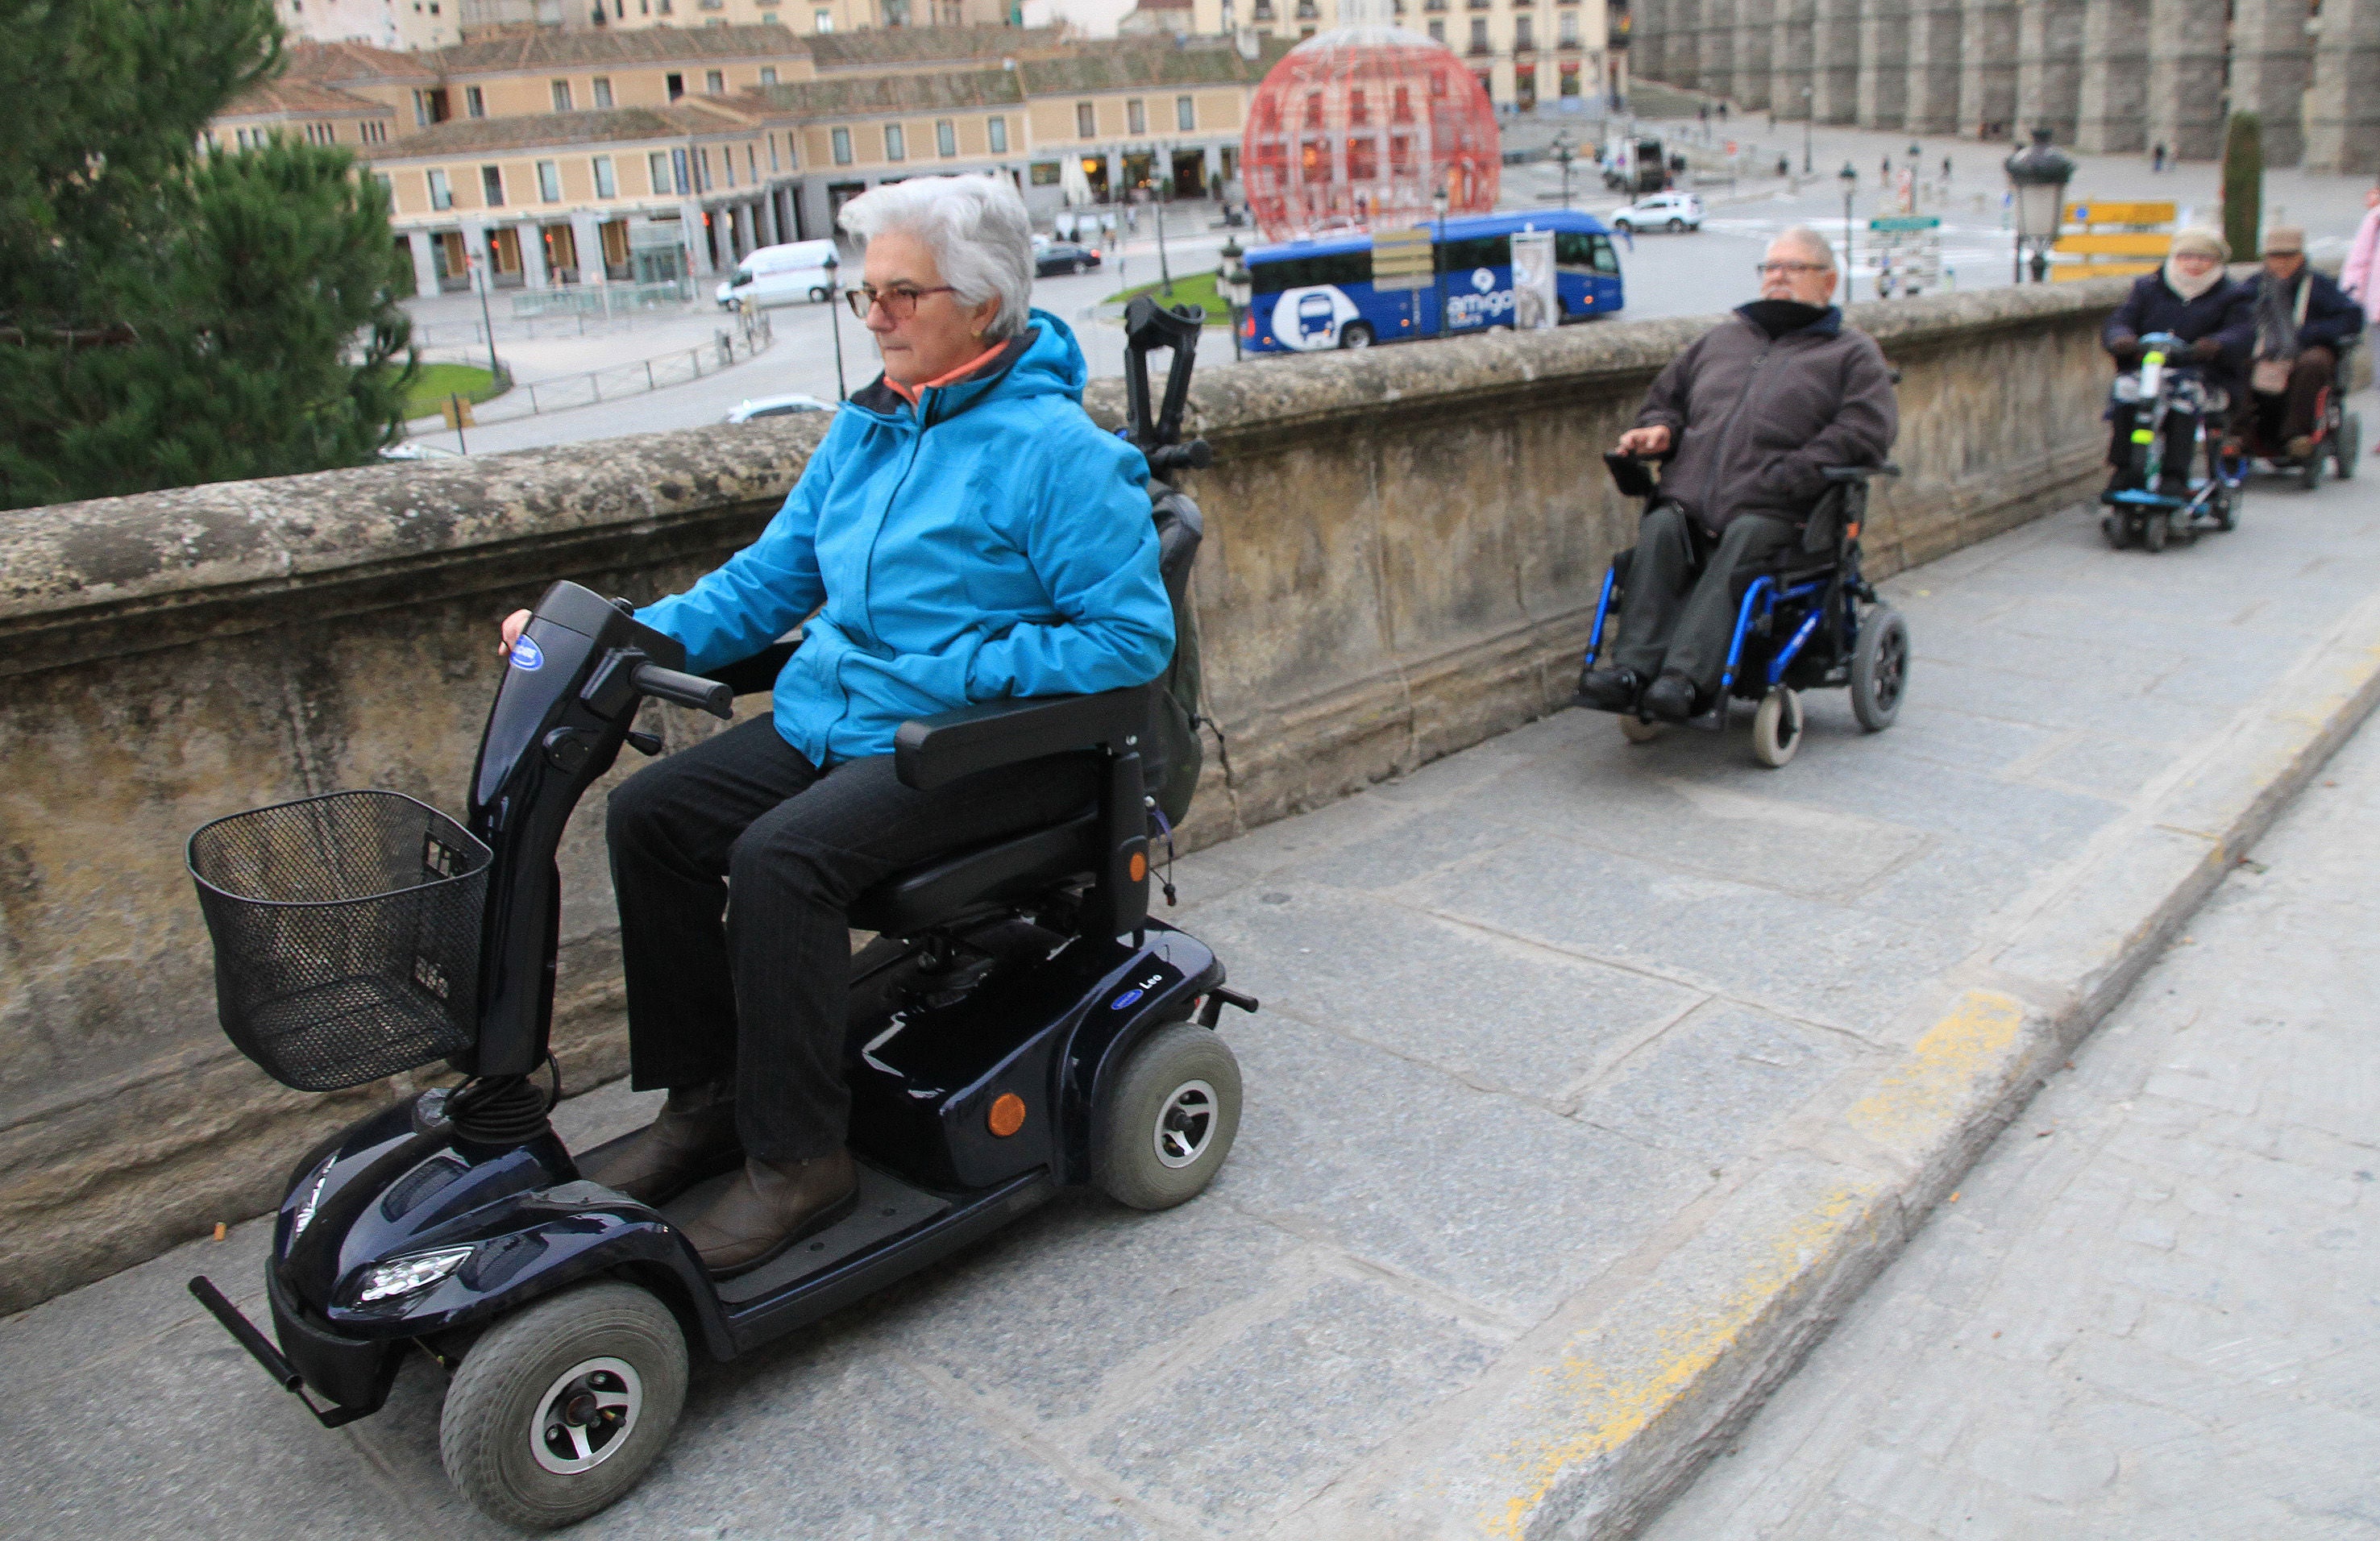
[(2310, 470), (2223, 504), (1880, 669), (1635, 730), (2155, 528), (2346, 444), (1777, 727), (2112, 527)]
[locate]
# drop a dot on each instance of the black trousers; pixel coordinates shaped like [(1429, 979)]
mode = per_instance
[(2180, 441), (1684, 587), (2280, 419), (757, 989)]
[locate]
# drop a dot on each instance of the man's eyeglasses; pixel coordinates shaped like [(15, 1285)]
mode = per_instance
[(1789, 269), (900, 301)]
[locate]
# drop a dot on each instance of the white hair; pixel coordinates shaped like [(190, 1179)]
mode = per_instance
[(1809, 240), (975, 225)]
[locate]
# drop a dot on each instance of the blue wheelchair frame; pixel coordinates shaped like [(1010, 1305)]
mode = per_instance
[(1819, 581)]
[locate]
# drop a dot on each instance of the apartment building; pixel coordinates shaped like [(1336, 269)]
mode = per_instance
[(1525, 52), (394, 24), (650, 191)]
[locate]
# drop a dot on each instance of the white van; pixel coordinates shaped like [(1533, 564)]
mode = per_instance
[(780, 275)]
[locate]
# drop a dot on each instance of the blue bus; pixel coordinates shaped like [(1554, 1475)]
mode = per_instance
[(1309, 295)]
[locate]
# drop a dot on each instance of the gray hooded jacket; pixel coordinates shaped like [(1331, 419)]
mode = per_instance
[(1754, 420)]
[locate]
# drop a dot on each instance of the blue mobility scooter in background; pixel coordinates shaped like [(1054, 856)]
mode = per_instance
[(2162, 390), (1019, 1026), (1810, 622)]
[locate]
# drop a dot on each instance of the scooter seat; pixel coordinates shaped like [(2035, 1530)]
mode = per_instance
[(987, 877)]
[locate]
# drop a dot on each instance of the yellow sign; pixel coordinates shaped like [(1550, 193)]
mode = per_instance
[(1402, 259), (456, 410), (2091, 210)]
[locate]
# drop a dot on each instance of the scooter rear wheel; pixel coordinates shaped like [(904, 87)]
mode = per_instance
[(558, 1409), (1168, 1120)]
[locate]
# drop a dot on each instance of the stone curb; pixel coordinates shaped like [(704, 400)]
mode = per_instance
[(1605, 1412)]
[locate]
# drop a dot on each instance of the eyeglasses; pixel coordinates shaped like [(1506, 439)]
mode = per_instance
[(1766, 269), (900, 302)]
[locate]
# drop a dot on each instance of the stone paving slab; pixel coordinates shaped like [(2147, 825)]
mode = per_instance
[(1593, 1082), (2150, 1312)]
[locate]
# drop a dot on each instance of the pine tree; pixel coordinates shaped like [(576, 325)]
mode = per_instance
[(167, 316), (2243, 185)]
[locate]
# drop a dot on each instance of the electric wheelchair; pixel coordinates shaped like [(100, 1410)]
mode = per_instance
[(2337, 433), (2162, 389), (1019, 1026), (1808, 622)]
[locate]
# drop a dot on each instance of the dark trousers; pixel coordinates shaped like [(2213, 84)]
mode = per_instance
[(757, 989), (1684, 587), (2290, 415), (2181, 442)]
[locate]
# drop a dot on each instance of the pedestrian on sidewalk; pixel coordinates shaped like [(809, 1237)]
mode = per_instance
[(2156, 158), (2360, 276), (1748, 417)]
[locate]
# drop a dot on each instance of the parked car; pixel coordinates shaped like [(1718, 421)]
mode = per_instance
[(1672, 211), (414, 449), (781, 275), (786, 406), (1063, 256)]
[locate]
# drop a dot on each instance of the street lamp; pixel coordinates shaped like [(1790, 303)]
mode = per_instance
[(1238, 286), (2037, 176), (1809, 107), (1565, 155), (1850, 175), (1438, 201), (834, 304)]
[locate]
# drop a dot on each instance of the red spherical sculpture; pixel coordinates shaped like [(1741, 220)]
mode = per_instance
[(1360, 128)]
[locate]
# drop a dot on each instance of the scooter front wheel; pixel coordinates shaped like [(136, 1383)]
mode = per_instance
[(1169, 1119), (558, 1409)]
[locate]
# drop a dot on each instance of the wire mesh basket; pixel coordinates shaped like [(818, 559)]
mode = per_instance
[(347, 933)]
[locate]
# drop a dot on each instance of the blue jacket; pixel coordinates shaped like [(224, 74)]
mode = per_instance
[(992, 541), (2226, 312)]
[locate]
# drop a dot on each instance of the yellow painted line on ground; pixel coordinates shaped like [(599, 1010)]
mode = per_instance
[(1930, 1084), (1610, 1409)]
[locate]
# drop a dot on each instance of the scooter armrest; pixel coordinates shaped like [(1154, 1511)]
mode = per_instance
[(929, 752), (1839, 474)]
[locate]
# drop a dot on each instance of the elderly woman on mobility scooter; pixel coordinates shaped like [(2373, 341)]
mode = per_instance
[(964, 533), (2191, 298), (1749, 416)]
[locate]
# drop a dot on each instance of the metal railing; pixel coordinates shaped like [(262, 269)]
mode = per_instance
[(600, 299), (751, 337)]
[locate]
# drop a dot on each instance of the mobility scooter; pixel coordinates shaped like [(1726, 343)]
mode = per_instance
[(1020, 1026), (2338, 434), (2141, 515), (1811, 622)]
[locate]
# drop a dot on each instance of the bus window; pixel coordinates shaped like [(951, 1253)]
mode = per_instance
[(1483, 251), (1300, 272), (1576, 251)]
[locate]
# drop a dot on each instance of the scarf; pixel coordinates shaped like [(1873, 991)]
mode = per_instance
[(1776, 316), (2276, 319), (2188, 287)]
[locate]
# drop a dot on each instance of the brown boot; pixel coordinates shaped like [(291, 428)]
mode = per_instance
[(694, 1138), (772, 1205)]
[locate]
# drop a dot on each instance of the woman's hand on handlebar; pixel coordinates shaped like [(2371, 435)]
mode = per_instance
[(514, 624), (1646, 440)]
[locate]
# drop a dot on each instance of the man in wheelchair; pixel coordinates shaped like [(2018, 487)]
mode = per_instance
[(1747, 418), (2303, 323)]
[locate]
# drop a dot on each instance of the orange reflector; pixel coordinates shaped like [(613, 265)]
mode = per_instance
[(1853, 534), (1139, 866), (1007, 1114)]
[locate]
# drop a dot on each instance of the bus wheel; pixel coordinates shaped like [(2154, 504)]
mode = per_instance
[(1354, 334)]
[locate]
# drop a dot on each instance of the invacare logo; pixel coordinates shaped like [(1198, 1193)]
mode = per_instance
[(528, 655)]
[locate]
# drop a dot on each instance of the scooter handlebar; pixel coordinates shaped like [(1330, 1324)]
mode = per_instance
[(714, 697)]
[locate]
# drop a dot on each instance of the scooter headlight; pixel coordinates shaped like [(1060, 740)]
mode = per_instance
[(404, 1276)]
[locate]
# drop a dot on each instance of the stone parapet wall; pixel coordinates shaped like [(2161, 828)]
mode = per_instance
[(1405, 547)]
